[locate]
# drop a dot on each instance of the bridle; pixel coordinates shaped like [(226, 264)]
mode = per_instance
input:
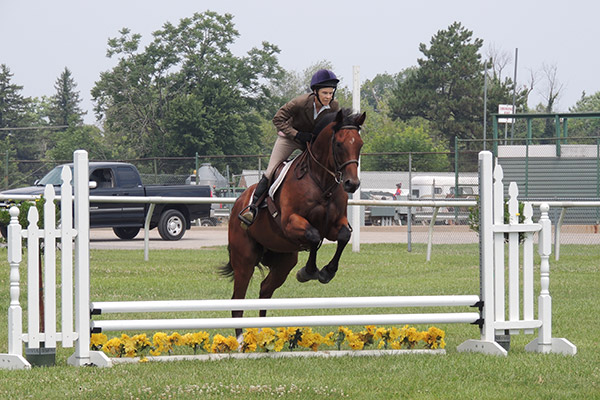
[(337, 174)]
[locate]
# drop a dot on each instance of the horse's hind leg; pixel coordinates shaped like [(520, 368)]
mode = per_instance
[(280, 265), (243, 257), (328, 272)]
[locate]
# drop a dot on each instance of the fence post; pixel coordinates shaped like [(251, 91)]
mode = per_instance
[(487, 343), (83, 355)]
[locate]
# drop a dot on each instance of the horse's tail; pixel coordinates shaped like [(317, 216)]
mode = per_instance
[(227, 269)]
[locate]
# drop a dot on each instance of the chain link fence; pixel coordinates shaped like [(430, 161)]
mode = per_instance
[(401, 176)]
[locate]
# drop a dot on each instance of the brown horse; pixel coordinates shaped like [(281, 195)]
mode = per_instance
[(310, 205)]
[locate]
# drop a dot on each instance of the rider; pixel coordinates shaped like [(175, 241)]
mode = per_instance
[(295, 122)]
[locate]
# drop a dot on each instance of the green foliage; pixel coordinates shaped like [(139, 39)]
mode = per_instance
[(185, 92), (23, 207), (377, 92), (383, 135), (64, 104), (83, 137), (474, 220), (447, 87), (586, 126)]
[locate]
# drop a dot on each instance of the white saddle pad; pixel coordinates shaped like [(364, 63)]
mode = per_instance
[(277, 183)]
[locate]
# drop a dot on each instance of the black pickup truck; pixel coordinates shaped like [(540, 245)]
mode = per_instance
[(126, 219)]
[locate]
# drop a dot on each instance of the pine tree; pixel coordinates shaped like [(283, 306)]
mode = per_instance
[(64, 105)]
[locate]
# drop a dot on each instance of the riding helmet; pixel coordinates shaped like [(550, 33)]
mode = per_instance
[(323, 78)]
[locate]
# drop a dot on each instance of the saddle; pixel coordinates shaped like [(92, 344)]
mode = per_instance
[(277, 179)]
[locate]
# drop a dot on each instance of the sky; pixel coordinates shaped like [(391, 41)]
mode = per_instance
[(39, 38)]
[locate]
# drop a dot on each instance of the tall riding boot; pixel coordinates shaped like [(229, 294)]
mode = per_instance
[(248, 214)]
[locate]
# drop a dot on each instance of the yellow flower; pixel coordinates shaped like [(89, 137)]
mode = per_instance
[(434, 338), (311, 340), (223, 344), (161, 342), (113, 346), (98, 340), (195, 340), (155, 352), (265, 339), (175, 339), (380, 333), (250, 342)]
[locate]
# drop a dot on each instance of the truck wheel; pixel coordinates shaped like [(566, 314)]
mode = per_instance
[(171, 225), (207, 222), (126, 233)]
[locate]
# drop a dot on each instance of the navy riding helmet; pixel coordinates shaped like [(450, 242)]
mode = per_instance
[(323, 78)]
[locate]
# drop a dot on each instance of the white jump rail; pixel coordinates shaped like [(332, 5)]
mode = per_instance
[(495, 316)]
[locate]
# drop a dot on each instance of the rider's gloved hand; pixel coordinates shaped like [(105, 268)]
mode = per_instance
[(303, 137)]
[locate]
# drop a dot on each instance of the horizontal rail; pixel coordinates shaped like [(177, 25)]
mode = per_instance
[(257, 322), (282, 304), (231, 200), (351, 202)]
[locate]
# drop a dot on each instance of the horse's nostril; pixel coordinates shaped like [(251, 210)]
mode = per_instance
[(350, 186)]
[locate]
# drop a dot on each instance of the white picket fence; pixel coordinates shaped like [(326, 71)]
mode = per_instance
[(76, 324)]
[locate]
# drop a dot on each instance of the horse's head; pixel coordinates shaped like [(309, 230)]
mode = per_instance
[(346, 144)]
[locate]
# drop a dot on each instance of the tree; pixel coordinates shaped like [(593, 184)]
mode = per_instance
[(13, 106), (185, 92), (377, 91), (64, 104), (447, 86), (585, 126), (85, 137), (17, 111), (383, 135)]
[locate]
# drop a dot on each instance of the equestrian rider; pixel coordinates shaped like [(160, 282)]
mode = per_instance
[(295, 122)]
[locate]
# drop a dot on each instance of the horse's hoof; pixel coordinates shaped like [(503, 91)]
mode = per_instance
[(325, 276), (303, 276)]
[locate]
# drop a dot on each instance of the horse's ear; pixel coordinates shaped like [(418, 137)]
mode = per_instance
[(361, 119), (339, 118)]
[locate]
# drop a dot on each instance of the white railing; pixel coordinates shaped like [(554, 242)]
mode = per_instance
[(495, 316)]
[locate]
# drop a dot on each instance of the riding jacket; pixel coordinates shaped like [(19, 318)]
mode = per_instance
[(298, 115)]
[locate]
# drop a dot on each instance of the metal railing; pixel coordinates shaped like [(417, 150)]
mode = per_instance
[(434, 204)]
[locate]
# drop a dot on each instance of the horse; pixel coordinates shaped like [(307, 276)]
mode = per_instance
[(309, 206)]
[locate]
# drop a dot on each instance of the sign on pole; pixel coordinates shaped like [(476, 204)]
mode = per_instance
[(505, 109)]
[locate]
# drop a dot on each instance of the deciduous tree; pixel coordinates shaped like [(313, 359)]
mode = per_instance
[(185, 92)]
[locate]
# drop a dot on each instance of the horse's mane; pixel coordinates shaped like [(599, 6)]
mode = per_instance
[(349, 119)]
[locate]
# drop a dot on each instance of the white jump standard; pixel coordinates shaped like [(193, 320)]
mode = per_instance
[(486, 309)]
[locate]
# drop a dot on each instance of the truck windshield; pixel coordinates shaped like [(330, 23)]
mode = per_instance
[(52, 177)]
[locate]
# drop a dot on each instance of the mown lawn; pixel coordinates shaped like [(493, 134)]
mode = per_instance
[(379, 269)]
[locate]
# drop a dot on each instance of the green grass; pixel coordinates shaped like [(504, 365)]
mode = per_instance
[(379, 269)]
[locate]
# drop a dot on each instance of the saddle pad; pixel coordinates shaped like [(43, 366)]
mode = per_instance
[(280, 178)]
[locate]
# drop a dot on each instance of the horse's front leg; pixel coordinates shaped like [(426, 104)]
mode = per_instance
[(299, 229), (310, 270), (328, 272)]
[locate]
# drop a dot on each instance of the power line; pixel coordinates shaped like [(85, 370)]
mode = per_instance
[(24, 128)]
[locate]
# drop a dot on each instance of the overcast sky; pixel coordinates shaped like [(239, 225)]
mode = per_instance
[(39, 38)]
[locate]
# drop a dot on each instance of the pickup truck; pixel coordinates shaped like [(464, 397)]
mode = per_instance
[(126, 219)]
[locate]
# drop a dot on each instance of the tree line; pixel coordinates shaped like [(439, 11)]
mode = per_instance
[(186, 92)]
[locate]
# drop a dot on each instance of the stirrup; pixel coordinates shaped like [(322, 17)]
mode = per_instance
[(243, 216)]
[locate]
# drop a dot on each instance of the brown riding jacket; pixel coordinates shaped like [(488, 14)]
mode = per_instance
[(298, 115)]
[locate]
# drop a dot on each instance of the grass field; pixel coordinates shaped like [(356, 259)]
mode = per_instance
[(379, 269)]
